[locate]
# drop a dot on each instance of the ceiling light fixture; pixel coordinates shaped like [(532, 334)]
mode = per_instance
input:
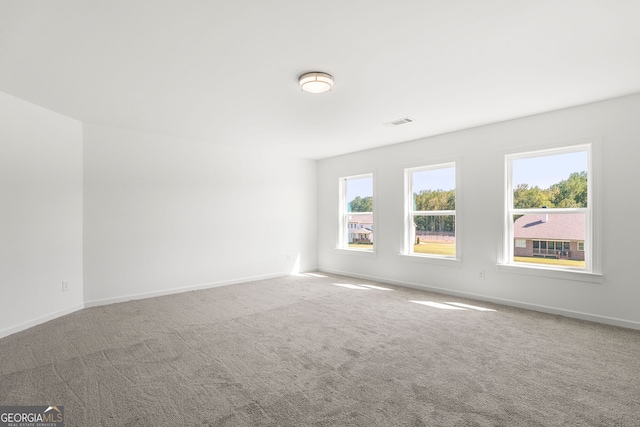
[(316, 82)]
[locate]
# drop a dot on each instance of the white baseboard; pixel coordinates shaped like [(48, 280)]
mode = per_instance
[(38, 320), (94, 303), (519, 304), (143, 295)]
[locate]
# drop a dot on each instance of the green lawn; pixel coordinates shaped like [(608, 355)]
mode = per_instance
[(449, 249), (361, 246), (435, 248), (549, 261), (430, 248)]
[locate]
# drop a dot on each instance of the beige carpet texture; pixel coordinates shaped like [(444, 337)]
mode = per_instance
[(323, 350)]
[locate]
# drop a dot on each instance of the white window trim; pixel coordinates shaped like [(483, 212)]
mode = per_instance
[(343, 225), (533, 270), (592, 272), (406, 253), (431, 259)]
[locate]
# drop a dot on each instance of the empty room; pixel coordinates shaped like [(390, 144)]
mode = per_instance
[(347, 213)]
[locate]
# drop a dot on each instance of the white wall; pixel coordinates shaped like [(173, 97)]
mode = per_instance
[(40, 214), (481, 154), (163, 214)]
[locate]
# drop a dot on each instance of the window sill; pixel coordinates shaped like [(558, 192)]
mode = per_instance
[(433, 260), (358, 252), (580, 276)]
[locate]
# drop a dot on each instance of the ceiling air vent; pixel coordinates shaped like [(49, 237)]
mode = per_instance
[(399, 122)]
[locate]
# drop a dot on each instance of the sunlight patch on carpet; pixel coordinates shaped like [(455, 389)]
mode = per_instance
[(472, 307), (439, 305), (452, 306), (314, 275), (350, 286), (380, 288)]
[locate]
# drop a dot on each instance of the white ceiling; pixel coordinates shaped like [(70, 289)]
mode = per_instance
[(225, 71)]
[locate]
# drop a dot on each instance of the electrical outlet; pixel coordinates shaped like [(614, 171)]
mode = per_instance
[(481, 274), (65, 286)]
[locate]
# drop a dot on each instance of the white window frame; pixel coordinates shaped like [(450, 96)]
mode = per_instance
[(344, 214), (592, 269), (409, 230), (521, 241)]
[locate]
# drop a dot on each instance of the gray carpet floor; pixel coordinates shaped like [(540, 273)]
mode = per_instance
[(323, 351)]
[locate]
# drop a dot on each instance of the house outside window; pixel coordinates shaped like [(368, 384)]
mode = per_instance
[(430, 197), (549, 208), (356, 213)]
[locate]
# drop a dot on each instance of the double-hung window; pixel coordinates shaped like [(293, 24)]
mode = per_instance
[(356, 213), (549, 209), (430, 194)]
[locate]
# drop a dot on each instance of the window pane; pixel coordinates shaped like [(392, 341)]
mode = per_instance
[(357, 210), (435, 235), (434, 189), (555, 239), (359, 193), (554, 181)]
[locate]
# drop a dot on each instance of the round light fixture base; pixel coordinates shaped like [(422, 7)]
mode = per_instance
[(316, 82)]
